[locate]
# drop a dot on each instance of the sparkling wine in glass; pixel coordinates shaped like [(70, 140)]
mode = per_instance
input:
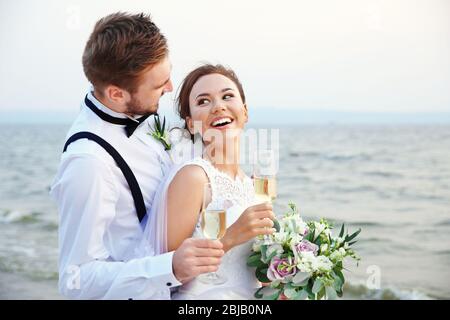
[(265, 188), (264, 180), (214, 225)]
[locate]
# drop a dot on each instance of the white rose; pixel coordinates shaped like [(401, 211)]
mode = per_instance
[(304, 267), (319, 227), (295, 238), (274, 248), (301, 227), (256, 246), (336, 256), (307, 260), (280, 237), (324, 264)]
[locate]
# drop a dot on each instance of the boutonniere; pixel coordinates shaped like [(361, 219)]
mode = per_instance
[(158, 132)]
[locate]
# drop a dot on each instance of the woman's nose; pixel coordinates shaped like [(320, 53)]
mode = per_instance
[(218, 106)]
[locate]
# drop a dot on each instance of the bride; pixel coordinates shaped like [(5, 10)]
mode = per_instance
[(212, 103)]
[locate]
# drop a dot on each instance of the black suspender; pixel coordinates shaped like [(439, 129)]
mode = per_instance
[(129, 176)]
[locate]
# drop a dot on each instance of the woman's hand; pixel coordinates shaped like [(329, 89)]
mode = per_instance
[(255, 220)]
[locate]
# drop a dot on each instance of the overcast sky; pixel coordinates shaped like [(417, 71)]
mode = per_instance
[(342, 55)]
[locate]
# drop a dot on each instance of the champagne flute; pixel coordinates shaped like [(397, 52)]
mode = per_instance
[(213, 224), (264, 180)]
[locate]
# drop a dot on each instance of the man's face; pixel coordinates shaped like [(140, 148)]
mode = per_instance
[(154, 83)]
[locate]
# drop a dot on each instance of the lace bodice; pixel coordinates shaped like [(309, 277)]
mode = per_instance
[(241, 282)]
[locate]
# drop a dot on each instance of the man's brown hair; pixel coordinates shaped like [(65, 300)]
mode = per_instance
[(120, 48)]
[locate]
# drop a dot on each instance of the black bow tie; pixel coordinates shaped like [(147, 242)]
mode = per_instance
[(130, 125)]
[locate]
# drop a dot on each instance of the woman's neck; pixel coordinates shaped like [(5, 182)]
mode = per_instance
[(226, 159)]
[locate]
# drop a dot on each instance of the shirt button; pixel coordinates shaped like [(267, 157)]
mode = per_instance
[(169, 284)]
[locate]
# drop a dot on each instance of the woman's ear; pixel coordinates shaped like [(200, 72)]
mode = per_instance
[(245, 112), (189, 125)]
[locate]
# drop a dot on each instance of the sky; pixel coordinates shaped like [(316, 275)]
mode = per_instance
[(363, 56)]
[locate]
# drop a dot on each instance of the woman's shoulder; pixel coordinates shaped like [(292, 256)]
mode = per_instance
[(192, 172)]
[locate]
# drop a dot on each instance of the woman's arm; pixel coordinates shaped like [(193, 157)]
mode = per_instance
[(184, 202)]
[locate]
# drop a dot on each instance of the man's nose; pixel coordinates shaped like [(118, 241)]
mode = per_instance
[(169, 86)]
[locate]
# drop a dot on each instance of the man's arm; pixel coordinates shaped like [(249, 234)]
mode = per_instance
[(86, 197)]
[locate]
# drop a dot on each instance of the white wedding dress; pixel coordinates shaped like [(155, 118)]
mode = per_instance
[(241, 281)]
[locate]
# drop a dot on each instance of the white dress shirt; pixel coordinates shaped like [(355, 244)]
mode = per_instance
[(98, 224)]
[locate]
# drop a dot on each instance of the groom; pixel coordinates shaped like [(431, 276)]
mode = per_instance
[(111, 168)]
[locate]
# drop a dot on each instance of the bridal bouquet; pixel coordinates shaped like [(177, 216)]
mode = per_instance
[(303, 261)]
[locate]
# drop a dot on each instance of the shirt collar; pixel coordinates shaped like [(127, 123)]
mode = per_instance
[(104, 108)]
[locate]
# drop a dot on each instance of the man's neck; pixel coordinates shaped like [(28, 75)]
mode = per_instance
[(101, 99)]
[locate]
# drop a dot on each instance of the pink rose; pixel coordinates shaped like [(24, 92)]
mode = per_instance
[(306, 246), (280, 269)]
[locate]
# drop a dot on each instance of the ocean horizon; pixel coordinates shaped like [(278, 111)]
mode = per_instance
[(257, 117)]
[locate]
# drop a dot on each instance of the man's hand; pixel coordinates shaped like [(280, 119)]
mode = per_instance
[(196, 256), (255, 220)]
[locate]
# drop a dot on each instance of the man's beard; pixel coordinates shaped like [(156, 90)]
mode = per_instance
[(135, 107)]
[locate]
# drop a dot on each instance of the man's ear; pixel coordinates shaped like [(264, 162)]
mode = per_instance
[(116, 95)]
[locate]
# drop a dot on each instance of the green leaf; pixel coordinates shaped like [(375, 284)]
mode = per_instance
[(353, 242), (318, 241), (330, 293), (301, 279), (293, 207), (275, 283), (341, 233), (310, 235), (254, 260), (272, 254), (351, 237), (270, 251), (321, 294), (337, 284), (264, 253), (258, 294), (290, 293), (318, 285), (164, 125), (261, 274), (340, 275), (157, 123), (276, 225), (270, 293), (301, 295)]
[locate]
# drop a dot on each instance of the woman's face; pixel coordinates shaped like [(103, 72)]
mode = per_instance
[(215, 103)]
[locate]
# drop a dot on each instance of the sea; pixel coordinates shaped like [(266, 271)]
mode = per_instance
[(391, 180)]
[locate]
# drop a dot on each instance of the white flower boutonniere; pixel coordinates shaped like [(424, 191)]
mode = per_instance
[(158, 132)]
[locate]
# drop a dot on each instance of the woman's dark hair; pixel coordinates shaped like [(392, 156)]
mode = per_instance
[(189, 81)]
